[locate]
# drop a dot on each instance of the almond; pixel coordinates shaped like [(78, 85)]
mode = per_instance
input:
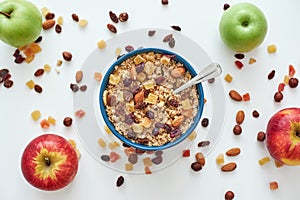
[(200, 158), (240, 116), (48, 24), (233, 151), (177, 121), (229, 167), (177, 72), (234, 95), (139, 97)]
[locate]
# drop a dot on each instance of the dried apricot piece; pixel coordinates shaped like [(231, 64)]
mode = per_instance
[(30, 84), (44, 124), (273, 185), (186, 153), (246, 97), (220, 159), (35, 115), (228, 78), (272, 48), (264, 160), (252, 60)]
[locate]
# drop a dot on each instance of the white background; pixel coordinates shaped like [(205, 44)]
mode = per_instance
[(199, 21)]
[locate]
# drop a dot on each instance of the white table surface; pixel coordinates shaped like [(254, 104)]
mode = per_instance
[(199, 21)]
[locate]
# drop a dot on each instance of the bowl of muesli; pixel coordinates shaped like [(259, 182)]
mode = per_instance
[(138, 103)]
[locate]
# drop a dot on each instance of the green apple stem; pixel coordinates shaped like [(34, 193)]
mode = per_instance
[(47, 161), (5, 14)]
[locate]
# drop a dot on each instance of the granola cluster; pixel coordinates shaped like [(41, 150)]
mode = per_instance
[(140, 102)]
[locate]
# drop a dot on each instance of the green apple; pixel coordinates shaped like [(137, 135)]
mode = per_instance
[(20, 22), (243, 27)]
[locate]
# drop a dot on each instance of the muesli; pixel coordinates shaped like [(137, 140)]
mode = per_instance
[(140, 102)]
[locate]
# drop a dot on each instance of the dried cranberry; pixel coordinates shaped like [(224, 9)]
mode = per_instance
[(127, 82), (8, 83), (293, 82), (159, 80), (164, 2), (155, 131), (150, 114), (168, 128), (157, 160), (159, 125), (151, 33), (175, 133), (129, 48), (129, 118), (278, 96), (140, 67), (140, 105), (239, 64), (131, 135), (133, 158)]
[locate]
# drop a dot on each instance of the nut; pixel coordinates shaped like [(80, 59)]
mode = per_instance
[(200, 158), (234, 95), (233, 151), (78, 76), (177, 72), (139, 97), (177, 121), (48, 24), (229, 167), (240, 116)]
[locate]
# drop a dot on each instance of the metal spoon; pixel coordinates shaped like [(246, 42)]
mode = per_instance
[(211, 71)]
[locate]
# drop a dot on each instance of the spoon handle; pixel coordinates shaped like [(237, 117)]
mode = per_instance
[(211, 71)]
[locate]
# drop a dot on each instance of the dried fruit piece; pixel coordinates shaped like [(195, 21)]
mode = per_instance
[(114, 156), (186, 153), (239, 56), (228, 78), (272, 48), (30, 84), (101, 44), (67, 55), (47, 68), (203, 143), (271, 74), (120, 181), (82, 23), (239, 64), (261, 136), (273, 185), (200, 158), (98, 76), (35, 115), (176, 28), (264, 160), (246, 97), (293, 82), (75, 17), (229, 195), (44, 124), (111, 28), (79, 113), (255, 113), (51, 120), (38, 88), (113, 17), (78, 76), (164, 2), (278, 96), (39, 72), (196, 166), (252, 60), (102, 143), (237, 129), (67, 121), (220, 159), (292, 71), (60, 20), (123, 17)]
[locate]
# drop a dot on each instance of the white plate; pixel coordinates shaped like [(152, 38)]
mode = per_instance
[(91, 127)]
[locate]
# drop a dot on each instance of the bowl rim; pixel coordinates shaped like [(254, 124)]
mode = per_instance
[(110, 125)]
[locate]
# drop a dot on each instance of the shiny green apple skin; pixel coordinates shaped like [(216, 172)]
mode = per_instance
[(23, 25), (243, 27)]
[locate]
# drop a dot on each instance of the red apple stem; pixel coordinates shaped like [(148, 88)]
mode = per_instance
[(47, 161), (5, 14)]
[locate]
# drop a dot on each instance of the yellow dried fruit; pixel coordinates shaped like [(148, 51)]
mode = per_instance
[(272, 48), (113, 145), (82, 23), (149, 84), (138, 59), (114, 79), (45, 11), (30, 84), (264, 160), (128, 167), (278, 164), (152, 99), (107, 130), (118, 51), (193, 135), (220, 159), (165, 60), (35, 115), (147, 162), (47, 68), (228, 78), (101, 44), (60, 20), (252, 60), (101, 143), (286, 79), (51, 120), (97, 76), (58, 63)]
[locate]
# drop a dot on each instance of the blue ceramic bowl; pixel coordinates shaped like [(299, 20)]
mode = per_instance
[(110, 125)]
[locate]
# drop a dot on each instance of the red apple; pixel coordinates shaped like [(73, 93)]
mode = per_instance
[(283, 136), (49, 162)]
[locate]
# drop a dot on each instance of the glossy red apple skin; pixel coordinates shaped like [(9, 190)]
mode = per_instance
[(283, 136), (63, 158)]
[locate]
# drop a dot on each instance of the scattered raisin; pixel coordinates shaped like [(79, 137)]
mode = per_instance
[(113, 17), (293, 82), (196, 166), (255, 114), (204, 143), (229, 195), (237, 130), (164, 2), (261, 136), (68, 121), (271, 74), (204, 122), (278, 96), (123, 17), (8, 83), (74, 87), (67, 55), (172, 43), (176, 28), (38, 88), (111, 28), (239, 56), (151, 33), (39, 72), (75, 17), (58, 28), (167, 38), (120, 181), (105, 158), (226, 6), (39, 39)]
